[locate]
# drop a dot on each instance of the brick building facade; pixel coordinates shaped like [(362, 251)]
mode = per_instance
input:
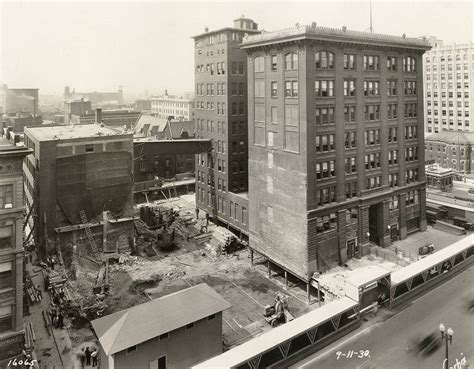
[(221, 114), (335, 123), (11, 250)]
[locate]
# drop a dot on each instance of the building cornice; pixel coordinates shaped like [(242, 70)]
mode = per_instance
[(314, 32)]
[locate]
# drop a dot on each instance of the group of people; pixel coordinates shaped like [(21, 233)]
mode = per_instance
[(88, 357), (57, 317)]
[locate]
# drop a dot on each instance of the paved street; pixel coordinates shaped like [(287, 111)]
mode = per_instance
[(388, 341)]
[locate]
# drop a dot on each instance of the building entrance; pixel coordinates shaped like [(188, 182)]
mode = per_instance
[(352, 248), (375, 216)]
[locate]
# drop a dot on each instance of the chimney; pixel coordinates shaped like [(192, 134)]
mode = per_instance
[(98, 115), (206, 29)]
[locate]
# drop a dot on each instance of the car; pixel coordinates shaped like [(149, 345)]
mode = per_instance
[(428, 345), (471, 191), (426, 249)]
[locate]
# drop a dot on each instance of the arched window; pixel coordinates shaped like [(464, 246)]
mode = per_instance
[(291, 61), (259, 63), (449, 58), (324, 60), (458, 57)]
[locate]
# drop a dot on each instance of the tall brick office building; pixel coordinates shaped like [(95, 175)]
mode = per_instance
[(221, 114), (336, 141)]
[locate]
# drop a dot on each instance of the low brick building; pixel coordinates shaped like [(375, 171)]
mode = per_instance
[(451, 149), (174, 331)]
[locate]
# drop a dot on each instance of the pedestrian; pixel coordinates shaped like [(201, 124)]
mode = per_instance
[(61, 320), (82, 357), (94, 357), (88, 356), (30, 257)]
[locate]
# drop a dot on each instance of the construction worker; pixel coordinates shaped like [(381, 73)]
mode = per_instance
[(279, 310)]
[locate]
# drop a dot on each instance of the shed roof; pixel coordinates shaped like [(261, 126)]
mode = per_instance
[(141, 323), (366, 275)]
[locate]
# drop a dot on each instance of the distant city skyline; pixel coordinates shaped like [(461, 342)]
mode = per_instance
[(147, 46)]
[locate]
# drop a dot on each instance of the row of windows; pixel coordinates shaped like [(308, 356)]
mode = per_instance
[(459, 67), (443, 149), (326, 60), (411, 154), (451, 124), (459, 104), (6, 196), (210, 126), (209, 68), (450, 76), (372, 161), (450, 94), (450, 113), (442, 58)]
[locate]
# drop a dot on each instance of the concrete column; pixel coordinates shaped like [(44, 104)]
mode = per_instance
[(308, 292), (402, 216), (363, 227), (384, 120), (360, 119), (341, 236), (422, 197), (340, 125), (400, 120)]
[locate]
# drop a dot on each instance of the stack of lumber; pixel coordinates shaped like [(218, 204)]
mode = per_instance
[(222, 241), (56, 279), (33, 295), (30, 336)]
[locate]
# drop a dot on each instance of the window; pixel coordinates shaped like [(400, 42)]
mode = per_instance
[(325, 115), (241, 68), (349, 61), (392, 157), (6, 196), (371, 88), (162, 362), (234, 68), (391, 88), (6, 237), (6, 323), (409, 64), (372, 112), (259, 64), (89, 148), (291, 128), (324, 88), (351, 189), (372, 137), (259, 88), (325, 196), (325, 169), (392, 111), (371, 62), (409, 87), (349, 87), (391, 63), (274, 63), (233, 88), (349, 114), (211, 317), (274, 87), (324, 60), (350, 140), (325, 143), (6, 276), (164, 336), (291, 61), (291, 88), (393, 204), (350, 165), (410, 110), (374, 182)]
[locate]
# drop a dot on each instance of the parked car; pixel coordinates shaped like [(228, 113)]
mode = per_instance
[(426, 249)]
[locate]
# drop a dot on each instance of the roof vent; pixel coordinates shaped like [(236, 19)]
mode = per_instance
[(206, 29)]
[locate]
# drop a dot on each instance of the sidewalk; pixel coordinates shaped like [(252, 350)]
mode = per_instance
[(53, 351)]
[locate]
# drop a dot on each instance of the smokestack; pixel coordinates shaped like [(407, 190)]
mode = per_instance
[(206, 29), (98, 115)]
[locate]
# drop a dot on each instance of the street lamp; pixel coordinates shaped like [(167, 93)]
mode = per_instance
[(446, 336)]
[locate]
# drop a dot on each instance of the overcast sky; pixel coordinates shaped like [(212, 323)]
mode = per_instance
[(96, 46)]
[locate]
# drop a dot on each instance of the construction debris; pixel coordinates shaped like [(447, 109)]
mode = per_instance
[(30, 336)]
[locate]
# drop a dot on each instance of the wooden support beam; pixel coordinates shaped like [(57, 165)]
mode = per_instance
[(286, 279), (308, 292), (269, 269)]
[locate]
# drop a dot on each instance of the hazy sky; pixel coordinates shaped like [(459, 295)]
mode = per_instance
[(96, 46)]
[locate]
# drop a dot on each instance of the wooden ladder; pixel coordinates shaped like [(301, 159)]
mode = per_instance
[(89, 234)]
